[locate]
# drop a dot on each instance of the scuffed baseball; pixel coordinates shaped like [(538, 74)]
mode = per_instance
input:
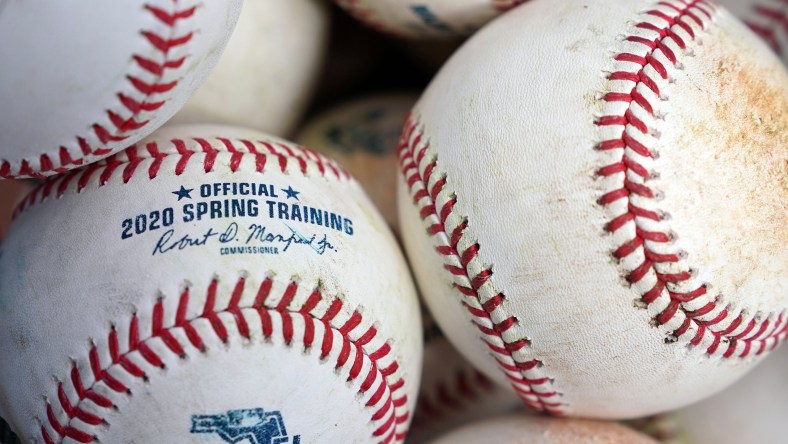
[(205, 280), (538, 430), (427, 18), (362, 135), (82, 79), (593, 203), (268, 70), (766, 18)]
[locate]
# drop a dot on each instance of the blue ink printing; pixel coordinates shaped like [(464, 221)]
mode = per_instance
[(248, 425), (183, 193)]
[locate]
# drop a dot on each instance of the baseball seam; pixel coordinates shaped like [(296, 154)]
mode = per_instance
[(209, 152), (150, 100), (768, 19), (472, 279), (455, 393), (650, 269), (654, 267), (82, 400)]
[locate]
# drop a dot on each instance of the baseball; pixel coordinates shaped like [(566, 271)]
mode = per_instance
[(207, 284), (258, 83), (362, 135), (593, 201), (767, 18), (426, 18), (537, 430), (82, 79)]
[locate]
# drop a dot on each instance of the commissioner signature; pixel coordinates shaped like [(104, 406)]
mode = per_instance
[(258, 235)]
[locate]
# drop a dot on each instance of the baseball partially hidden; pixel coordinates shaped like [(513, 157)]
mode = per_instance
[(267, 72), (82, 80), (205, 283), (602, 187), (362, 135), (767, 19), (427, 18), (537, 430)]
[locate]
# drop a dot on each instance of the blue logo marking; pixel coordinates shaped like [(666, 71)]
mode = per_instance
[(254, 426), (183, 193), (291, 193)]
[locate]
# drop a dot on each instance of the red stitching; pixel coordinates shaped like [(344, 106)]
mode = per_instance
[(681, 18), (121, 124), (460, 390), (654, 272), (489, 317), (183, 153), (387, 402), (767, 20)]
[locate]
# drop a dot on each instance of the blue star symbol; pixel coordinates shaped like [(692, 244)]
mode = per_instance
[(291, 193), (183, 193)]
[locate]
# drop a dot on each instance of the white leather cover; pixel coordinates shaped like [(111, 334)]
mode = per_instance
[(267, 72), (593, 203), (206, 324), (83, 79)]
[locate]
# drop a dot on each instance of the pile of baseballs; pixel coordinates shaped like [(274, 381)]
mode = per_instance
[(386, 221)]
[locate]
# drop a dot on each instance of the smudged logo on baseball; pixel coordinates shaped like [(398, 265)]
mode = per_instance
[(255, 426), (243, 218)]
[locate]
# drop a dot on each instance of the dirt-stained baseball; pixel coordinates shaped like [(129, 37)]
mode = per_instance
[(427, 18), (593, 202), (84, 79), (207, 282), (538, 430), (267, 72)]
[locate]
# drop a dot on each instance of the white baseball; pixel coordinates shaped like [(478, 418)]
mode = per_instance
[(362, 135), (267, 73), (82, 79), (426, 18), (767, 18), (593, 202), (208, 282), (537, 430)]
